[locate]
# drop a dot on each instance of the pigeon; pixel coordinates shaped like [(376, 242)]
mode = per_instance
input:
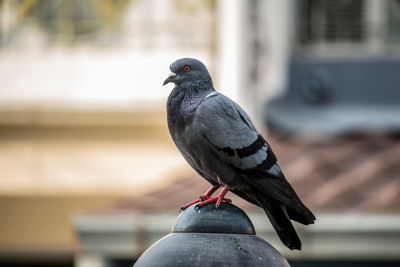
[(220, 142)]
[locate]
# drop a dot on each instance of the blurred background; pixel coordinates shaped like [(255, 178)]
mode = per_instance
[(89, 174)]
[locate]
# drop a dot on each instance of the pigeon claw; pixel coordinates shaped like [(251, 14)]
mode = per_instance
[(207, 199), (227, 200), (189, 204), (204, 198), (209, 192), (217, 200)]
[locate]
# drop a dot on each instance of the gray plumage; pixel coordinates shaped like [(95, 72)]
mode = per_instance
[(219, 140)]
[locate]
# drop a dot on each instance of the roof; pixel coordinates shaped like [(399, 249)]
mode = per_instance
[(356, 173)]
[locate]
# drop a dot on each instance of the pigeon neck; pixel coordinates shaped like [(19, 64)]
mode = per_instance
[(197, 87), (192, 93), (182, 104)]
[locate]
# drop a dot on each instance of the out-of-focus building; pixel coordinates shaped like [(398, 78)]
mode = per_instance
[(89, 173), (82, 110)]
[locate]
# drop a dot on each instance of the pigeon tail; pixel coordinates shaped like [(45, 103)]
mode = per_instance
[(301, 214), (280, 221)]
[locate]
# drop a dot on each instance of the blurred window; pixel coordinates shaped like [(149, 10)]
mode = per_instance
[(372, 25), (344, 70), (333, 21), (394, 21)]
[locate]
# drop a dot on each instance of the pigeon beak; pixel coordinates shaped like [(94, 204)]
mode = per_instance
[(171, 78)]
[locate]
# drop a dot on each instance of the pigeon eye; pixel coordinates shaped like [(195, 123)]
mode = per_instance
[(186, 68)]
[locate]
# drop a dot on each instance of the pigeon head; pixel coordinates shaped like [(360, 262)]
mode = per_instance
[(188, 71)]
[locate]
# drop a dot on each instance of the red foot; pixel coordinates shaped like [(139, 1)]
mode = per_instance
[(207, 199), (204, 197), (189, 204), (209, 192), (216, 199)]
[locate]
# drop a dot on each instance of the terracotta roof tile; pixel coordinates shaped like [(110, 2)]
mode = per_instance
[(359, 173)]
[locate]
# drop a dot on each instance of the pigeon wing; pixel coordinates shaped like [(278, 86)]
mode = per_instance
[(231, 135)]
